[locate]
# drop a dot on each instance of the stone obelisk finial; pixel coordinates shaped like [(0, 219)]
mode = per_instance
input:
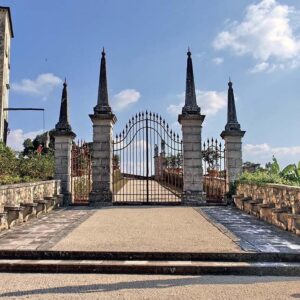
[(63, 124), (232, 122), (102, 106), (190, 106)]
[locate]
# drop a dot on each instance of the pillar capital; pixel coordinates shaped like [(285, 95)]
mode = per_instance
[(103, 118), (234, 134), (64, 134), (192, 119)]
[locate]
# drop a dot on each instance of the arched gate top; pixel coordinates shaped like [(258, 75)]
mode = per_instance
[(152, 118)]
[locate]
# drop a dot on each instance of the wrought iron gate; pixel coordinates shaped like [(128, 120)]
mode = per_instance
[(147, 162), (214, 179), (81, 179)]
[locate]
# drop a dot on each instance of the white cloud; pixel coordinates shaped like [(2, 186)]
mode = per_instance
[(265, 149), (260, 67), (42, 86), (268, 33), (175, 109), (261, 149), (125, 98), (16, 138), (263, 153), (218, 60), (210, 102)]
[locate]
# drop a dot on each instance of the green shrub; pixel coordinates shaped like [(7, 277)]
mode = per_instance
[(15, 169), (290, 175), (8, 161), (37, 166)]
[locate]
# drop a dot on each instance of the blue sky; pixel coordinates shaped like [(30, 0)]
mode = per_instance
[(256, 43)]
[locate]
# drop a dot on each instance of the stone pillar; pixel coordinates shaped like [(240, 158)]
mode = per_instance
[(232, 135), (102, 162), (233, 155), (192, 159), (63, 151), (64, 137)]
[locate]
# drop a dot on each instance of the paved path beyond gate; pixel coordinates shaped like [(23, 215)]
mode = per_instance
[(134, 191)]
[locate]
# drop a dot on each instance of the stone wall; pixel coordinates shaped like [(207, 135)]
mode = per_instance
[(274, 203), (14, 194)]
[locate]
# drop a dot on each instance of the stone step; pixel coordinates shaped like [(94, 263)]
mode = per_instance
[(151, 267), (151, 256)]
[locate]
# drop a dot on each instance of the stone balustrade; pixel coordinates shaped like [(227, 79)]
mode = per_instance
[(274, 203), (214, 188), (23, 201)]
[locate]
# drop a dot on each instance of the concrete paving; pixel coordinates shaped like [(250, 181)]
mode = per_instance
[(147, 229), (95, 286)]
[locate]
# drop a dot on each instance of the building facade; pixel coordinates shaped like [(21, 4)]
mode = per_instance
[(6, 34)]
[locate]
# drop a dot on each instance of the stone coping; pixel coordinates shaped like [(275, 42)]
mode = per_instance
[(276, 185), (26, 184)]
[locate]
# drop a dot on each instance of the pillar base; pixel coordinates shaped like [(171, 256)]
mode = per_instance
[(67, 199), (193, 198), (100, 198)]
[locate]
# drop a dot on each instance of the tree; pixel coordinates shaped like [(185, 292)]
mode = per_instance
[(28, 147), (31, 146)]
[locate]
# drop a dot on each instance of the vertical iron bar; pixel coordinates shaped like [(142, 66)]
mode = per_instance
[(159, 162), (122, 153), (140, 151), (147, 160), (143, 161), (114, 167)]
